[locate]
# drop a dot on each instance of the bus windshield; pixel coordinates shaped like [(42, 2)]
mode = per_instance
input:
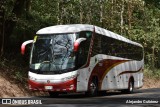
[(53, 53)]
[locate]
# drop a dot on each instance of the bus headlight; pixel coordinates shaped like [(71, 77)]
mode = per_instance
[(69, 78), (32, 78)]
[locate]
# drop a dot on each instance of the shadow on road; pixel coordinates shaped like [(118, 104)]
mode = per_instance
[(82, 95), (115, 97)]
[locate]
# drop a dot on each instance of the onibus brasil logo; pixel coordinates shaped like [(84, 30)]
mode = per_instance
[(21, 101)]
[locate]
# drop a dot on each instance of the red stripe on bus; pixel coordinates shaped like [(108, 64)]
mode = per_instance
[(125, 72), (106, 66)]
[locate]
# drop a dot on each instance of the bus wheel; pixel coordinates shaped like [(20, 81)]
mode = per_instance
[(131, 86), (53, 94), (93, 87)]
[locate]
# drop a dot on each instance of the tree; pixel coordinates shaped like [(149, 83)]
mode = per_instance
[(1, 27), (138, 20), (11, 21)]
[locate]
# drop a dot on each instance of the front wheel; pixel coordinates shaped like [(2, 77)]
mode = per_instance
[(93, 88)]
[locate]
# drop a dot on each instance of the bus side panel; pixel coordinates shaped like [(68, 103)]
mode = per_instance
[(118, 77), (115, 78), (82, 80), (113, 81), (84, 76), (138, 76), (138, 80)]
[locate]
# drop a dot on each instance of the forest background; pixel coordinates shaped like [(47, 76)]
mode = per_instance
[(138, 20)]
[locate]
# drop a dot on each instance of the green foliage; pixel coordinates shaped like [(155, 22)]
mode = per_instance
[(13, 69), (138, 20), (151, 74), (19, 76)]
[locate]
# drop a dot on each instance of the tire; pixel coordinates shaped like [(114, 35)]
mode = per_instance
[(93, 88), (130, 87), (53, 94)]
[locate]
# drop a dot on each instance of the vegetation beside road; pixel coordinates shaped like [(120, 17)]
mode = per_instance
[(14, 79), (152, 73)]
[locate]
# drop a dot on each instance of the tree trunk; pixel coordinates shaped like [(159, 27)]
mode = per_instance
[(58, 11), (61, 12), (10, 24), (122, 11), (1, 28), (101, 13), (28, 5), (89, 13), (81, 12), (111, 17), (129, 16), (153, 57)]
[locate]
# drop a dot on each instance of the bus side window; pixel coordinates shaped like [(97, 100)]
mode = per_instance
[(97, 45), (82, 54)]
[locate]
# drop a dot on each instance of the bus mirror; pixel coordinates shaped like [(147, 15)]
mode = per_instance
[(77, 43), (23, 46)]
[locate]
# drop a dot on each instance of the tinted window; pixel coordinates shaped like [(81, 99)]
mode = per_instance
[(82, 54), (97, 47), (109, 46)]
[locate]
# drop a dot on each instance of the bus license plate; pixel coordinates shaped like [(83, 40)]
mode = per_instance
[(48, 87)]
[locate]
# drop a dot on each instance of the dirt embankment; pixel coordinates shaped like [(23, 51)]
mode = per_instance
[(9, 88), (151, 83)]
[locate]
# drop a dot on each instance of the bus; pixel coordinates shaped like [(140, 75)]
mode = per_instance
[(83, 58)]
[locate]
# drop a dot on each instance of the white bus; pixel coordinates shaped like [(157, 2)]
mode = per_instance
[(83, 58)]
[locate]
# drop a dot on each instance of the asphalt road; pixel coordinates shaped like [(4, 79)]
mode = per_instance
[(140, 98)]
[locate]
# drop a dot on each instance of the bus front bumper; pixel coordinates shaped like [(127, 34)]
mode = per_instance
[(67, 86)]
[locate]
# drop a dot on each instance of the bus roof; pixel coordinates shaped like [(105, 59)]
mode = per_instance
[(72, 28)]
